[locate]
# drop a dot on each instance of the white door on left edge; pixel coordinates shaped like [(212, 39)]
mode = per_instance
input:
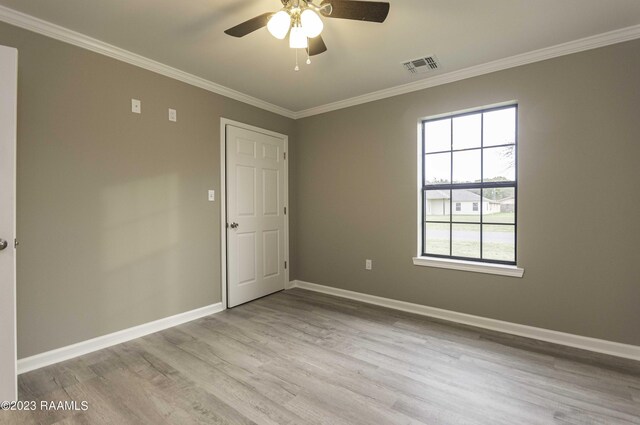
[(8, 111), (255, 214)]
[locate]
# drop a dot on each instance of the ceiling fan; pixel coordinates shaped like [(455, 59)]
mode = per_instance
[(301, 20)]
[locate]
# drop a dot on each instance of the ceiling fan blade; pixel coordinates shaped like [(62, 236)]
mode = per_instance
[(370, 11), (316, 46), (249, 26)]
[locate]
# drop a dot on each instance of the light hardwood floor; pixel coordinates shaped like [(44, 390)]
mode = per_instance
[(299, 357)]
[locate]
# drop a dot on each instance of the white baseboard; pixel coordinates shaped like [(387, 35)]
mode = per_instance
[(592, 344), (65, 353)]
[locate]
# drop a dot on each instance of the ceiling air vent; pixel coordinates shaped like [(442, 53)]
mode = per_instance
[(421, 65)]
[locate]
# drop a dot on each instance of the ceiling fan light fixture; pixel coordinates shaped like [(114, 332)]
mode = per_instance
[(303, 21), (311, 23), (297, 38), (279, 24)]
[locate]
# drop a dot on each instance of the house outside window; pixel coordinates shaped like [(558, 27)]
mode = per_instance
[(470, 160)]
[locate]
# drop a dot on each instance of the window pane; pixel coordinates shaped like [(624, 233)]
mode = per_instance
[(464, 201), (436, 238), (499, 205), (466, 166), (437, 168), (498, 242), (437, 205), (466, 131), (466, 240), (499, 164), (499, 127), (437, 136)]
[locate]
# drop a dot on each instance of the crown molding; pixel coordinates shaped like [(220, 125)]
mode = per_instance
[(580, 45), (31, 23)]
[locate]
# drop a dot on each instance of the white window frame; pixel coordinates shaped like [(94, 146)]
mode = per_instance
[(449, 263)]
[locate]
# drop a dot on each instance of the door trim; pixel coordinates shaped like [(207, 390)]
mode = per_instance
[(9, 131), (224, 122)]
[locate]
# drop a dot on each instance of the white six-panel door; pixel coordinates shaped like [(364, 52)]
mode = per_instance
[(256, 200), (8, 101)]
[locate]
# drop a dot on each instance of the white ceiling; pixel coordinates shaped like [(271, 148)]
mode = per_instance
[(362, 57)]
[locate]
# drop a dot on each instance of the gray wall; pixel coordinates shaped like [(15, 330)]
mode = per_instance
[(115, 229), (113, 221), (578, 206)]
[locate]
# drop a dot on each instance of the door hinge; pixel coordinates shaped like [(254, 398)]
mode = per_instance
[(285, 264), (285, 155), (15, 243), (285, 210)]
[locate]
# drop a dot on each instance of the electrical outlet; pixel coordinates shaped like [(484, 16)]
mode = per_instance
[(136, 106), (368, 264), (173, 115), (212, 195)]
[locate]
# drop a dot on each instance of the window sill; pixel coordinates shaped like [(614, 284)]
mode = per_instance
[(469, 266)]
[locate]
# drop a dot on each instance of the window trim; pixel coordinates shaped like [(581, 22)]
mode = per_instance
[(450, 261), (469, 266)]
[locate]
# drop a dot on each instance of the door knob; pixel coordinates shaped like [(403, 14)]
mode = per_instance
[(234, 225), (3, 244)]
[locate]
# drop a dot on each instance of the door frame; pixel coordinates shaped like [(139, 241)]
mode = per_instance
[(224, 122), (9, 130)]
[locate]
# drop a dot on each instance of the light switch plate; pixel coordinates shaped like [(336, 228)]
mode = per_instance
[(212, 195), (173, 115), (136, 106), (368, 264)]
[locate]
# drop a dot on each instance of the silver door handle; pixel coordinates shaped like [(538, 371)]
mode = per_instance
[(3, 244), (234, 225)]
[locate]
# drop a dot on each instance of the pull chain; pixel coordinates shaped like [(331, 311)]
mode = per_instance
[(308, 56), (297, 68)]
